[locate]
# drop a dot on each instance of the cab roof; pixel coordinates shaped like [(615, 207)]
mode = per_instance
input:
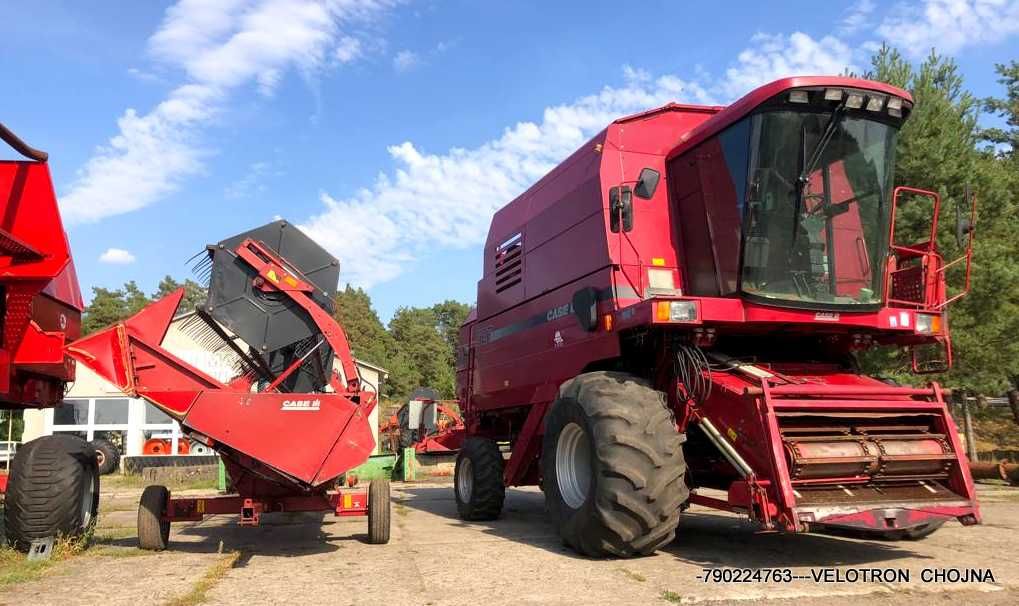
[(752, 100)]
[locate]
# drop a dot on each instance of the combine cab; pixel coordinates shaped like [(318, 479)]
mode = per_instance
[(673, 315), (288, 424)]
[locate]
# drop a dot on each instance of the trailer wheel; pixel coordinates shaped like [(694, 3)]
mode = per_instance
[(478, 480), (107, 456), (153, 530), (613, 466), (378, 512), (53, 490)]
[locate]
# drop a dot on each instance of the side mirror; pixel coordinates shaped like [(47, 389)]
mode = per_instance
[(647, 183)]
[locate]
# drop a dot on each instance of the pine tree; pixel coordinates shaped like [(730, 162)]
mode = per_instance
[(940, 149)]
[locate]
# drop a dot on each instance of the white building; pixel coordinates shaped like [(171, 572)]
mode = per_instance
[(95, 408)]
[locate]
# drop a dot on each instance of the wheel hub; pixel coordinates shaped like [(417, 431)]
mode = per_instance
[(87, 498), (465, 480), (573, 465)]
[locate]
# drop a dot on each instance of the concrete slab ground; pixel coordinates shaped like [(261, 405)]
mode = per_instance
[(434, 558)]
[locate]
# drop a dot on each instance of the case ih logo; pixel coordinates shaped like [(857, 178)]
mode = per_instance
[(300, 405)]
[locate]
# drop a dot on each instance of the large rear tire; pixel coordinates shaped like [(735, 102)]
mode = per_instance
[(153, 530), (477, 480), (612, 466), (53, 491), (378, 512)]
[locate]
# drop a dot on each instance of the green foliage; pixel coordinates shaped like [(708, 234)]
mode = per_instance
[(940, 149), (110, 306), (368, 337), (107, 307), (418, 348), (1007, 108), (194, 293), (12, 423)]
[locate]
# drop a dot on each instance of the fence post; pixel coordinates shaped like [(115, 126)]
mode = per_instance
[(967, 423), (221, 476), (1013, 403)]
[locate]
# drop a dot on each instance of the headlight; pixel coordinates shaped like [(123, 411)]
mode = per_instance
[(927, 324), (676, 311)]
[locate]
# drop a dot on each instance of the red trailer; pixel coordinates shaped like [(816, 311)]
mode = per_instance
[(673, 314), (53, 486)]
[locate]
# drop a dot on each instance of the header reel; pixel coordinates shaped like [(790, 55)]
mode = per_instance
[(249, 304)]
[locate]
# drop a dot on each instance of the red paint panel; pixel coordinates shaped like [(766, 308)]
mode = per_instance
[(296, 440)]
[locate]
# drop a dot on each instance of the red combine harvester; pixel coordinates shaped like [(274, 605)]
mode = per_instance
[(426, 423), (672, 316), (53, 486), (286, 425)]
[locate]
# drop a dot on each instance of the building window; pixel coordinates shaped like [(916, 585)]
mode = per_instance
[(111, 411), (154, 416), (71, 412)]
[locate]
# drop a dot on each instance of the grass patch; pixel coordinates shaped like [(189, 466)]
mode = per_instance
[(105, 536), (15, 568), (128, 482), (672, 596), (633, 576), (113, 551), (198, 593)]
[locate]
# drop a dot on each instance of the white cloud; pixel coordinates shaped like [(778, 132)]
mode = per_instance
[(949, 25), (446, 200), (406, 60), (857, 17), (775, 56), (433, 201), (116, 256), (253, 183), (348, 49), (220, 45)]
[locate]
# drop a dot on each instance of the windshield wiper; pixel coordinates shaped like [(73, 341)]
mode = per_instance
[(815, 156)]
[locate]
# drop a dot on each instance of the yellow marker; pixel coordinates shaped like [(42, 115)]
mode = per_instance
[(201, 506), (732, 434), (348, 501), (290, 281), (658, 261), (272, 275)]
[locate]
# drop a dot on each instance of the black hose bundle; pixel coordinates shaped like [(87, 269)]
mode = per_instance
[(693, 373)]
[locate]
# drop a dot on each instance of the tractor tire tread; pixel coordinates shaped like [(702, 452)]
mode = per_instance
[(153, 531), (642, 477), (488, 491), (43, 494), (378, 512)]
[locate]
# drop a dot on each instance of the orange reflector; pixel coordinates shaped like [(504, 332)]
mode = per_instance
[(606, 322), (662, 311), (936, 324), (658, 261)]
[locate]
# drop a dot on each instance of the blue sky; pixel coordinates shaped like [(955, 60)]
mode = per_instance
[(388, 129)]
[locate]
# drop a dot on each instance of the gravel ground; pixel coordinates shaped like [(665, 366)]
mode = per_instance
[(435, 558)]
